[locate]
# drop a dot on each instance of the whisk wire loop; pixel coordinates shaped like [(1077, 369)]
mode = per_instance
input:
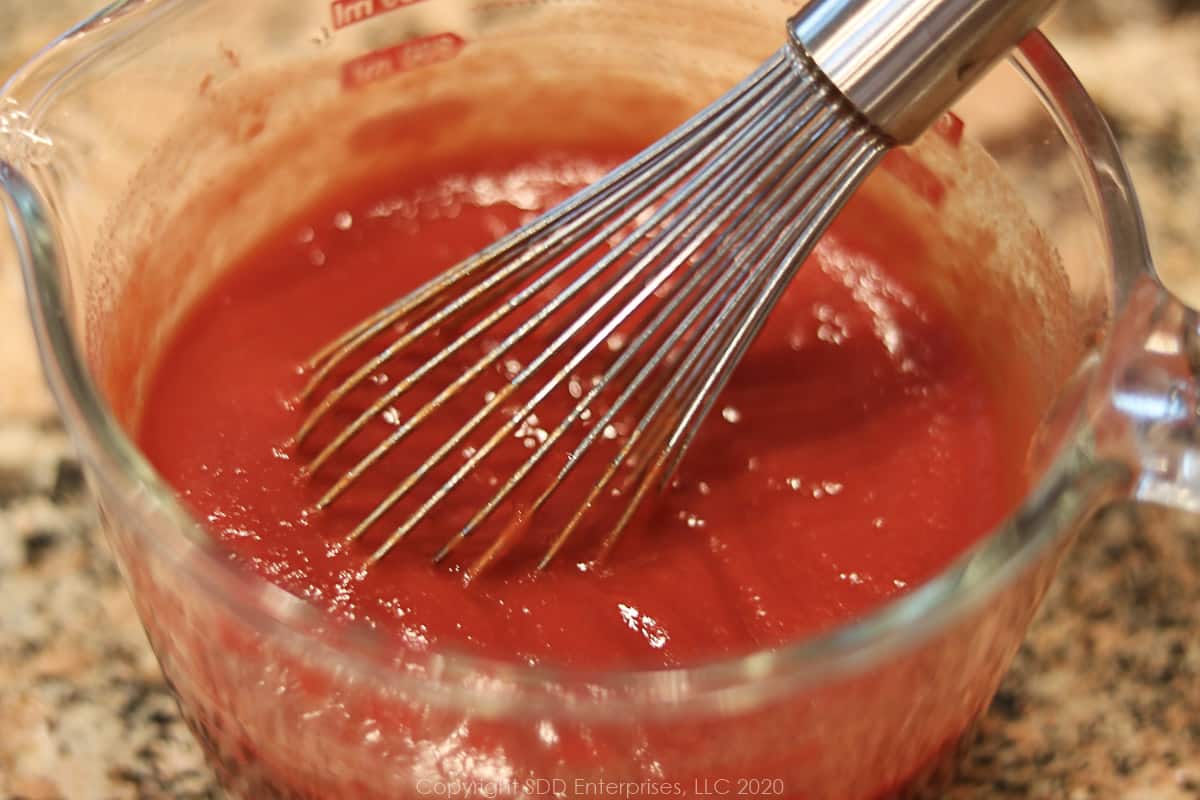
[(707, 213), (746, 238), (691, 243), (702, 273)]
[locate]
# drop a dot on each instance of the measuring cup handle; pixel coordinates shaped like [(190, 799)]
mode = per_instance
[(1152, 415)]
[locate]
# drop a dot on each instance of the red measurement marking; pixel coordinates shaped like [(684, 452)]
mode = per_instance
[(392, 60), (351, 12)]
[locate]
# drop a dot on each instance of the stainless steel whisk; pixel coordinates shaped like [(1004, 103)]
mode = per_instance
[(697, 237)]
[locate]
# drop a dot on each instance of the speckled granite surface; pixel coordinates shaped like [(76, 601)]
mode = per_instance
[(1104, 698)]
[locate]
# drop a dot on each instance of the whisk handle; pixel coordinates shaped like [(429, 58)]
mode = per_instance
[(904, 62)]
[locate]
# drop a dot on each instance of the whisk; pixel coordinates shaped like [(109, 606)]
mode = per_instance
[(689, 245)]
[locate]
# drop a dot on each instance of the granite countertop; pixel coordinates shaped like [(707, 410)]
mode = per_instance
[(1102, 702)]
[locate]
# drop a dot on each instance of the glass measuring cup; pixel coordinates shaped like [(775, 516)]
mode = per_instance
[(288, 707)]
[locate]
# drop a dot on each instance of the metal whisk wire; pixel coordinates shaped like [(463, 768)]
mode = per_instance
[(723, 213)]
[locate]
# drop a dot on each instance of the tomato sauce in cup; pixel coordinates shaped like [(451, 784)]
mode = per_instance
[(856, 451), (859, 448)]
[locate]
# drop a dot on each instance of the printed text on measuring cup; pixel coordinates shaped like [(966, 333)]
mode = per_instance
[(351, 12), (380, 64)]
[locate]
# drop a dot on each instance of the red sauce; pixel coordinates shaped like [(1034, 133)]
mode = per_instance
[(857, 451)]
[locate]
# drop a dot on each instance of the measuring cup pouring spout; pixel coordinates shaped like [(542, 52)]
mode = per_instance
[(20, 141), (23, 149)]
